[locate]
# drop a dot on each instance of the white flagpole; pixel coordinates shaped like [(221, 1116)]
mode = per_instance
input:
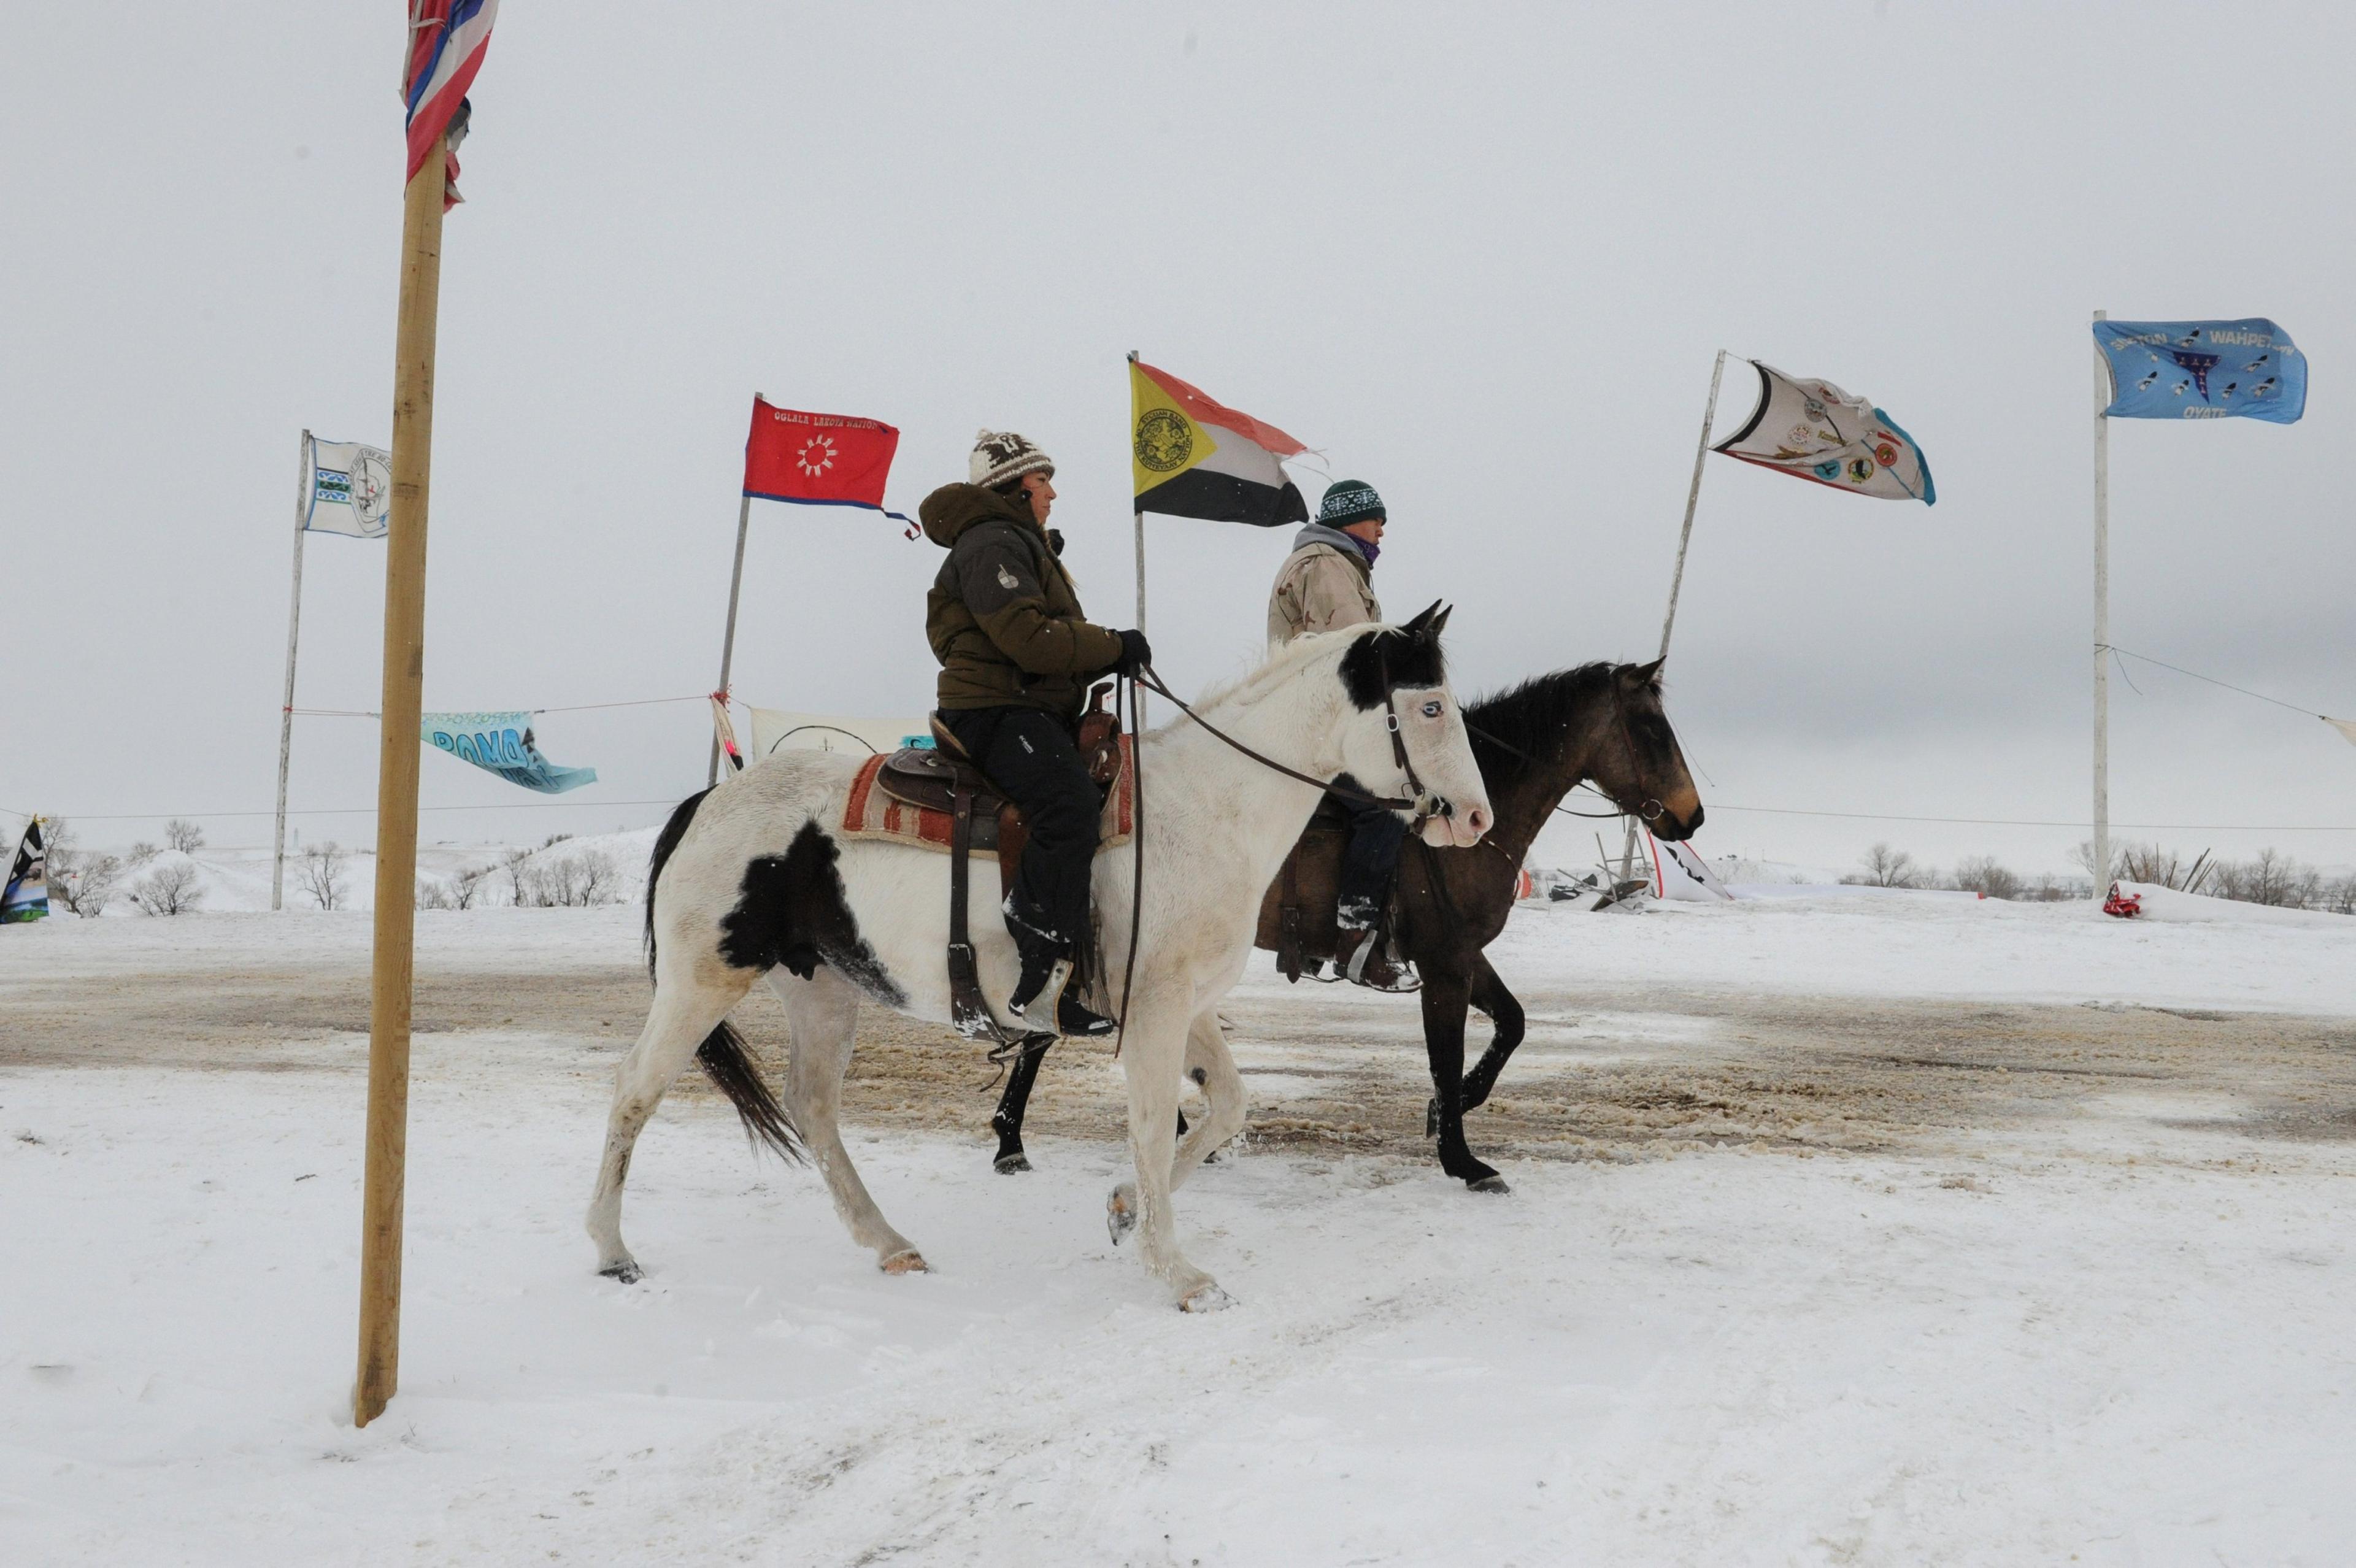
[(1693, 498), (2101, 866), (1677, 578), (728, 643), (286, 707)]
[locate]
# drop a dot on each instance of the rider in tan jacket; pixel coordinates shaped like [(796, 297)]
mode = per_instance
[(1327, 582)]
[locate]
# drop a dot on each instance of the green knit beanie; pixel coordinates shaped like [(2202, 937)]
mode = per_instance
[(1350, 501)]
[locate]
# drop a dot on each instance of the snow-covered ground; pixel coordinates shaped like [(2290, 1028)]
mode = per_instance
[(2117, 1332)]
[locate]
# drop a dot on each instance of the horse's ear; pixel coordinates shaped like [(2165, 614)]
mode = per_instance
[(1441, 623), (1636, 676), (1421, 626)]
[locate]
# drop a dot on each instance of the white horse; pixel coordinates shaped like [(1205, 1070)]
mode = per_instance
[(750, 881)]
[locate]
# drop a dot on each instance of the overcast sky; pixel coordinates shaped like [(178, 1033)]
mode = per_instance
[(1478, 256)]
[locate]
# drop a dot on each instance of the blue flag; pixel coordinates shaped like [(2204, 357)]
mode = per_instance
[(2204, 370), (502, 744)]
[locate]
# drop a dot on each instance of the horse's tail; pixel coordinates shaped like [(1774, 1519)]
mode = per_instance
[(665, 842), (730, 1067)]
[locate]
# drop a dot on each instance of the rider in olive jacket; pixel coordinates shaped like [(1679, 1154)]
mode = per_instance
[(1017, 655)]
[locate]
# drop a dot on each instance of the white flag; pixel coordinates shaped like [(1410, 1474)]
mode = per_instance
[(2346, 726), (347, 488)]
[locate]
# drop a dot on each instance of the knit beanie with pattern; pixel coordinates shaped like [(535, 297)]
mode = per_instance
[(1000, 457)]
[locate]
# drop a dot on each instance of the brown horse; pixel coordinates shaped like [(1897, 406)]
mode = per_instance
[(1599, 724)]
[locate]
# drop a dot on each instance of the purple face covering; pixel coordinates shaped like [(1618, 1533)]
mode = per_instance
[(1368, 548)]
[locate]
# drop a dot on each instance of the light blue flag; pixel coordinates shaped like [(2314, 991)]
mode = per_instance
[(2204, 370), (502, 744)]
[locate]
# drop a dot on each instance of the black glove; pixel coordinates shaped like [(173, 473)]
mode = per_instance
[(1136, 653)]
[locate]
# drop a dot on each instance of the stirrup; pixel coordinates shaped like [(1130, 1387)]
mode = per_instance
[(1393, 976)]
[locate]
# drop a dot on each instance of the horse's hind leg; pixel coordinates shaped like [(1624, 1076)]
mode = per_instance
[(823, 1014), (688, 1006), (1007, 1123), (1443, 996), (1213, 1068)]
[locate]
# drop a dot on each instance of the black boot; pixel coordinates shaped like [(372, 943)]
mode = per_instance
[(1046, 969)]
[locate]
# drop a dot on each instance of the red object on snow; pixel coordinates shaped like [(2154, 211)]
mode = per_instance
[(2124, 905)]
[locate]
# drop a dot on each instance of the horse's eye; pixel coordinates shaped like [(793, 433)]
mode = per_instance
[(1432, 709)]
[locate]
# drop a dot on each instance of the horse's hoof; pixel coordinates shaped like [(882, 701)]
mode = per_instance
[(1121, 1215), (910, 1262), (627, 1270), (1492, 1182), (1008, 1163), (1205, 1297)]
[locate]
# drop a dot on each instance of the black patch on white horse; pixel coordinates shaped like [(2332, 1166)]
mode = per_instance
[(1405, 655), (794, 912)]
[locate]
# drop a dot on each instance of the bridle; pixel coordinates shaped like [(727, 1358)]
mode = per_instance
[(1650, 811), (1418, 799)]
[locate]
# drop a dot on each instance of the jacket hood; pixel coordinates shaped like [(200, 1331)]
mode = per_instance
[(1317, 533), (948, 511)]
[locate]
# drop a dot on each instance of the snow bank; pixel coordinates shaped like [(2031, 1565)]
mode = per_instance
[(2166, 903)]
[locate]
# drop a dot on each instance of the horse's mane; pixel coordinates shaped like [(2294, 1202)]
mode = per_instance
[(1526, 720), (1282, 664)]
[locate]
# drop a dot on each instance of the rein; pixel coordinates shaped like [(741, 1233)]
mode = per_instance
[(1650, 811), (1423, 801)]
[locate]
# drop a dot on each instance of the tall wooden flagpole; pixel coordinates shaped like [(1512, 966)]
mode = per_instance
[(286, 706), (396, 798), (728, 640)]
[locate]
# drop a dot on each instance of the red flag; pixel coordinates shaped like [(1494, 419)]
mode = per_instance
[(818, 460)]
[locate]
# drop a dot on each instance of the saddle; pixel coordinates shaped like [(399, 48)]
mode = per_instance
[(945, 778), (1296, 914)]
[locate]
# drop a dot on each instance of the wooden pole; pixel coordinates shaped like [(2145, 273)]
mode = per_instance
[(2101, 864), (728, 642), (286, 704), (396, 792)]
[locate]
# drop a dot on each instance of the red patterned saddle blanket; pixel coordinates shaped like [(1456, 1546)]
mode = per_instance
[(868, 813)]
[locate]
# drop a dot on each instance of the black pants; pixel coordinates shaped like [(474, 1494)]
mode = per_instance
[(1369, 861), (1030, 755)]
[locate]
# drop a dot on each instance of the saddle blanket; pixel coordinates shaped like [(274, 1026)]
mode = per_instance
[(868, 813)]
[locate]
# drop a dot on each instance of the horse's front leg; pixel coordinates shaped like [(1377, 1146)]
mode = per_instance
[(1007, 1122), (1155, 1051), (1489, 994), (1444, 996)]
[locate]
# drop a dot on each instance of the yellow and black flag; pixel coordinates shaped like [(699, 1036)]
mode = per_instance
[(1193, 457)]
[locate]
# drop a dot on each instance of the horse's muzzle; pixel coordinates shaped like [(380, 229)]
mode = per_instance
[(1671, 828)]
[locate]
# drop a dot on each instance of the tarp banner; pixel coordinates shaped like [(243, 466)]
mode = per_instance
[(1812, 429), (2245, 369), (26, 895), (1679, 873), (2346, 726), (501, 743), (347, 488)]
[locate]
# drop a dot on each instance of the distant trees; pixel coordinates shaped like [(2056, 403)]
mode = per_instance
[(1984, 875), (322, 874), (184, 836), (84, 880), (1888, 868), (170, 889)]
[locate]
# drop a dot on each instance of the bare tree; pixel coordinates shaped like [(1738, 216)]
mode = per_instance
[(2340, 898), (573, 881), (321, 875), (184, 836), (82, 880), (432, 892), (467, 887), (513, 863), (2164, 868), (1888, 868), (1982, 874), (141, 853), (170, 889)]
